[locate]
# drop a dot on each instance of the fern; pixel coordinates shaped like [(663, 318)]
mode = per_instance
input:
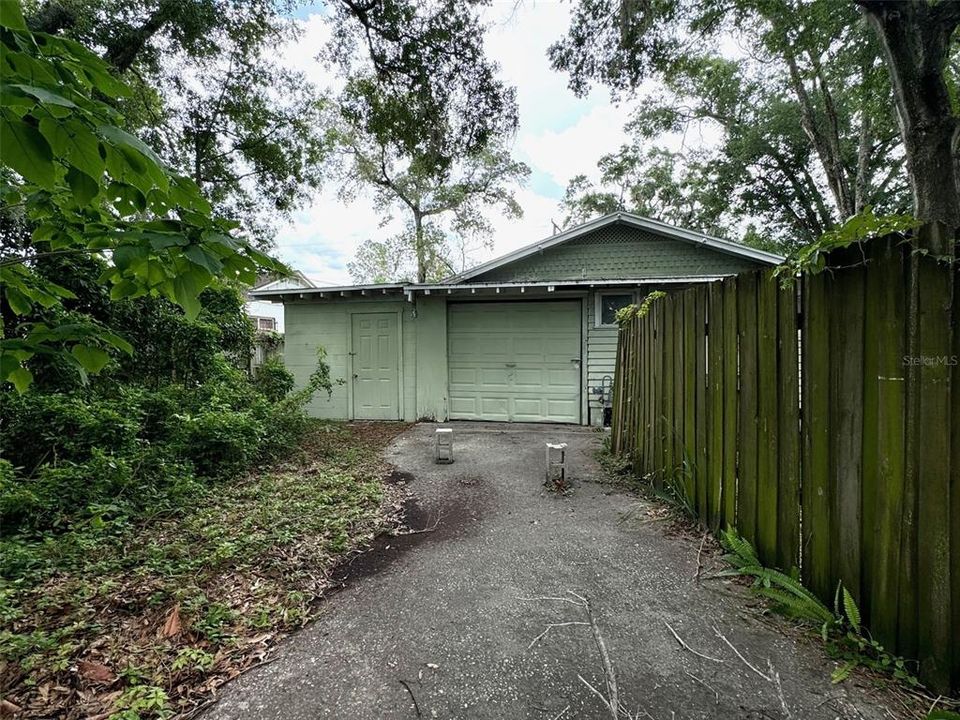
[(841, 628), (851, 610), (843, 672)]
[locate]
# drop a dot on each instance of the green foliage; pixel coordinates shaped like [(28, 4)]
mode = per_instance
[(806, 130), (141, 702), (627, 314), (426, 123), (193, 658), (78, 184), (91, 453), (273, 379), (840, 628), (238, 558), (812, 258)]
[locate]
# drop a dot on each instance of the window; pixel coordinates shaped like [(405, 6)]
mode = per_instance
[(266, 323), (608, 304)]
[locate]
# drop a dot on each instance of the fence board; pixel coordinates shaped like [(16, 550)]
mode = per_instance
[(747, 428), (715, 340), (767, 422), (678, 389), (658, 391), (815, 430), (883, 448), (730, 391), (933, 469), (700, 409), (689, 386), (907, 600), (788, 431), (955, 484), (669, 396), (846, 407)]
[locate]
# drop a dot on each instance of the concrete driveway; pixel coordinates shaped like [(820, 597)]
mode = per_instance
[(446, 624)]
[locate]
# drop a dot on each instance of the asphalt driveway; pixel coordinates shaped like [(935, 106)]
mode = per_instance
[(449, 624)]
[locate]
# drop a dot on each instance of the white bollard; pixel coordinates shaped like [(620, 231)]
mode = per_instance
[(556, 463), (443, 446)]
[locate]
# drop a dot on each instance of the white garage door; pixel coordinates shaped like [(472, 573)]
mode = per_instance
[(515, 361)]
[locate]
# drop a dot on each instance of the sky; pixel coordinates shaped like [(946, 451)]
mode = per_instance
[(559, 136)]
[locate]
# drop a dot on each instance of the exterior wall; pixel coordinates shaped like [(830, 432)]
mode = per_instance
[(431, 367), (601, 360), (328, 323), (264, 308), (618, 251)]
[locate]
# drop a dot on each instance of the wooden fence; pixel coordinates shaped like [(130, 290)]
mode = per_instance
[(822, 421)]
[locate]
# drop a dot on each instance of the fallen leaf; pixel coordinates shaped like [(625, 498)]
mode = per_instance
[(8, 708), (172, 626), (95, 671)]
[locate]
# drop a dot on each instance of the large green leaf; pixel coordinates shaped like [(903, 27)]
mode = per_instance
[(21, 379), (11, 16), (25, 150), (46, 96), (84, 187), (77, 143), (93, 359)]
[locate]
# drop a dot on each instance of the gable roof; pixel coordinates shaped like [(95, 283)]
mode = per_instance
[(271, 281), (630, 220)]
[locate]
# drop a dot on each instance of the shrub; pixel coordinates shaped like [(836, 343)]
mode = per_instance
[(220, 443), (273, 379), (64, 427)]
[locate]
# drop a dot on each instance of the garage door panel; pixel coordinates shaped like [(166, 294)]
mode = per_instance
[(514, 361), (528, 378), (563, 408), (495, 408), (563, 377)]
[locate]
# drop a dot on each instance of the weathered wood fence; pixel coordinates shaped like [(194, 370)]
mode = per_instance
[(822, 421)]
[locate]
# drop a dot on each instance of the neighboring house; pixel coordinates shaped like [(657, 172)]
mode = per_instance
[(268, 316), (529, 337)]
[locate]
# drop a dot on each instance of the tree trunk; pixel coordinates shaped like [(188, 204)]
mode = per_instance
[(419, 247), (827, 151), (124, 51), (915, 37)]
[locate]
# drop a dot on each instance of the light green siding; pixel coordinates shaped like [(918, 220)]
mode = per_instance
[(329, 323), (431, 330), (601, 358), (615, 252)]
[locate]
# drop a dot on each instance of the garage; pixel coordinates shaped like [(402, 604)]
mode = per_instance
[(515, 361)]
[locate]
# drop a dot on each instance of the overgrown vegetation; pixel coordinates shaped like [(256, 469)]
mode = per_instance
[(840, 628), (136, 600)]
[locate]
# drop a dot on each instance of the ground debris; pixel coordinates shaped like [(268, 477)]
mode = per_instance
[(176, 606)]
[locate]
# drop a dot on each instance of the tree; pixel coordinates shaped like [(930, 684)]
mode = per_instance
[(424, 118), (72, 183), (459, 194), (808, 138), (672, 187), (922, 52), (208, 97)]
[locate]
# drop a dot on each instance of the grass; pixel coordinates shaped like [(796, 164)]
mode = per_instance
[(135, 619)]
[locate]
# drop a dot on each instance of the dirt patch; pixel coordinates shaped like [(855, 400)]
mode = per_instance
[(398, 477), (417, 525)]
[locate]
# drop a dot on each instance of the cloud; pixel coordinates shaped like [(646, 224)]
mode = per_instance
[(560, 135)]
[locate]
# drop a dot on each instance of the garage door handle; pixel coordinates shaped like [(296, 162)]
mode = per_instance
[(510, 364)]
